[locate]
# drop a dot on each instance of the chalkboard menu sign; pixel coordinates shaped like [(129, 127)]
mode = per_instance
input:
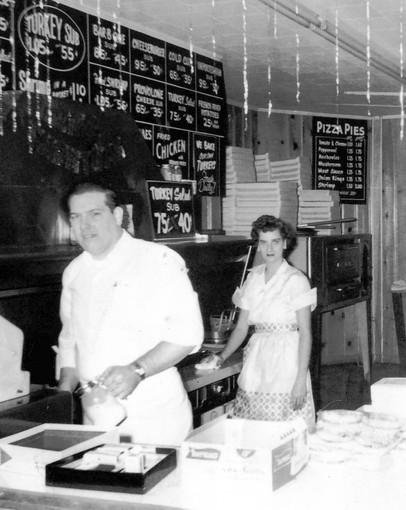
[(50, 49), (171, 205), (340, 157)]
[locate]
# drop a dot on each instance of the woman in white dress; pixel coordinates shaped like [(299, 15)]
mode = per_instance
[(276, 298)]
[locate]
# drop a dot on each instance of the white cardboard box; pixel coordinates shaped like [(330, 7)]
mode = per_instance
[(246, 449), (389, 396), (30, 450)]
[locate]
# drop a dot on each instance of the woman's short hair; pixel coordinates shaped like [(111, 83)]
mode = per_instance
[(268, 223)]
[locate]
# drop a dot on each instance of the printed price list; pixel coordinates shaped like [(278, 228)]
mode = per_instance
[(340, 157)]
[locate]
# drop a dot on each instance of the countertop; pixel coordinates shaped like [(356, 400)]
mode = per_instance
[(319, 486), (194, 379)]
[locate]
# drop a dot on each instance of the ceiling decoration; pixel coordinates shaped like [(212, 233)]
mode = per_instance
[(320, 56)]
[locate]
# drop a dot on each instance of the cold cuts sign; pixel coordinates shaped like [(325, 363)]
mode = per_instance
[(340, 157), (171, 207)]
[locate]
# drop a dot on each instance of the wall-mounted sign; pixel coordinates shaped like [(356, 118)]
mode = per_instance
[(56, 51), (206, 164), (340, 157), (171, 207)]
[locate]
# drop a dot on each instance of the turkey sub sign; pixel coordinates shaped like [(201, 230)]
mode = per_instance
[(171, 208), (52, 37)]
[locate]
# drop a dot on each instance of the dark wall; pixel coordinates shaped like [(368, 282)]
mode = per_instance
[(39, 161)]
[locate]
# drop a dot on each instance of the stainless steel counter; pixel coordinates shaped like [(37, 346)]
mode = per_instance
[(194, 379)]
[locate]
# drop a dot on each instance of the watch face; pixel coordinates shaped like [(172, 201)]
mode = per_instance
[(139, 371)]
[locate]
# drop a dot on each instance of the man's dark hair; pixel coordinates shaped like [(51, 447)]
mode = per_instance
[(89, 185)]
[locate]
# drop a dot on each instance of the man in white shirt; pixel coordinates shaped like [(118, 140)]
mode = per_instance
[(129, 314)]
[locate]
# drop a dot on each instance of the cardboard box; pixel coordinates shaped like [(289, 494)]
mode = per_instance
[(29, 451), (389, 396), (74, 472), (246, 449)]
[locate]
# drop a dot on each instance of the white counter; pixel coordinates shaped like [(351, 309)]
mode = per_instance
[(317, 487)]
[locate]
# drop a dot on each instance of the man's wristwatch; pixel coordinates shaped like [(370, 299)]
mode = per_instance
[(137, 368)]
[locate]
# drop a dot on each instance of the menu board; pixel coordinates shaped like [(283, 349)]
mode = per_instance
[(171, 206), (340, 157), (172, 92)]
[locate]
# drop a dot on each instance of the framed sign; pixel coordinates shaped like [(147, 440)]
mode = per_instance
[(340, 157), (171, 208)]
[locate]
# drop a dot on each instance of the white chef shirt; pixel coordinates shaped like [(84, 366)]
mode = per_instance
[(116, 309)]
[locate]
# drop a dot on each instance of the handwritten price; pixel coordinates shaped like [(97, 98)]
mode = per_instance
[(139, 65), (181, 222)]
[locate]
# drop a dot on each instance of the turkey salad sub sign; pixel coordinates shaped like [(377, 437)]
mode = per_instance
[(171, 206)]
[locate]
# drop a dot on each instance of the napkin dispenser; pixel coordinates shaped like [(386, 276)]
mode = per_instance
[(14, 382)]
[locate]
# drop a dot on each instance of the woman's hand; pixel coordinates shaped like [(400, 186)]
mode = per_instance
[(120, 380), (210, 362), (298, 394)]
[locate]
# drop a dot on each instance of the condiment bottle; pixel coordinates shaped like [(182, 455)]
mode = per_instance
[(166, 172), (100, 407)]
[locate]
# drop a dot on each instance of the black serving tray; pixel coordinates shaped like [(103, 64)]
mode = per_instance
[(102, 478)]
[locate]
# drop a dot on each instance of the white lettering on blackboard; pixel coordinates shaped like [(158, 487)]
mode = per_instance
[(170, 149), (181, 194), (149, 48), (52, 33), (4, 56), (208, 68), (161, 193), (175, 57), (28, 84), (107, 33), (176, 98), (146, 90), (209, 146), (337, 129), (46, 25), (206, 165)]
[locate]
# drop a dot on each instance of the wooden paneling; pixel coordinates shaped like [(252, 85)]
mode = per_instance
[(393, 224)]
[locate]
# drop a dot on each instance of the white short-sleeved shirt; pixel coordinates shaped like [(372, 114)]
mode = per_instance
[(117, 309)]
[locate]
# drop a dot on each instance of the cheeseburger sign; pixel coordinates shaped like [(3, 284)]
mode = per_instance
[(52, 37)]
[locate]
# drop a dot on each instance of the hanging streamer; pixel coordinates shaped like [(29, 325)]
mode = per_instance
[(36, 74), (244, 20), (191, 39), (48, 81), (13, 71), (120, 57), (337, 58), (269, 63), (368, 58), (297, 68), (401, 96), (275, 21), (29, 103), (1, 106), (99, 41), (297, 62), (213, 35)]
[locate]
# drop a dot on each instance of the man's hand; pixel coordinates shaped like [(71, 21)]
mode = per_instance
[(120, 381)]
